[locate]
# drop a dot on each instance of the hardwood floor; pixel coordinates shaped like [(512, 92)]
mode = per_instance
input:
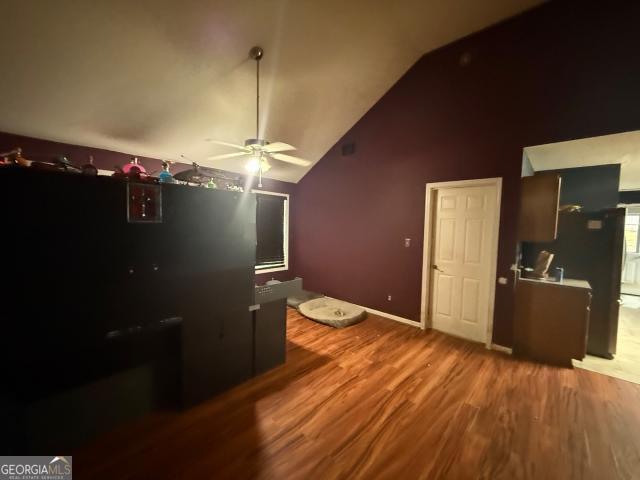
[(383, 400)]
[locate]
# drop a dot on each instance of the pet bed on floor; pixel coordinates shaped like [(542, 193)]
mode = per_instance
[(302, 296), (332, 312)]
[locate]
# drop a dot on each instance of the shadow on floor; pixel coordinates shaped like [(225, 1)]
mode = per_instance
[(173, 444)]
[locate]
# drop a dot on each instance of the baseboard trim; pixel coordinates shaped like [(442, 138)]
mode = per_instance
[(501, 348), (390, 316)]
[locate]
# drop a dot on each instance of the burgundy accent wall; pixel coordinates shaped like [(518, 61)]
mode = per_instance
[(45, 150), (566, 70)]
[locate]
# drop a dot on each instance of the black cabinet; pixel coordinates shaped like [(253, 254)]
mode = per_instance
[(217, 353), (76, 270), (270, 335)]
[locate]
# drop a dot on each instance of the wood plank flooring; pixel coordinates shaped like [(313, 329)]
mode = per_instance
[(381, 400)]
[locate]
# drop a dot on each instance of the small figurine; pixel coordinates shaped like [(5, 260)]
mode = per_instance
[(89, 168), (62, 162), (9, 158), (165, 175), (234, 188), (20, 160), (134, 169)]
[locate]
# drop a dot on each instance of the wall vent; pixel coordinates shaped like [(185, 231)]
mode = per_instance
[(465, 59), (348, 149)]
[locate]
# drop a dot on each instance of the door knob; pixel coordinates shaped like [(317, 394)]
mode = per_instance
[(435, 267)]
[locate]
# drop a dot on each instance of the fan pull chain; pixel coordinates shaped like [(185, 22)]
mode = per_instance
[(258, 98)]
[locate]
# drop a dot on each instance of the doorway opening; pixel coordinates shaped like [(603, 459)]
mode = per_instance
[(630, 281), (598, 229)]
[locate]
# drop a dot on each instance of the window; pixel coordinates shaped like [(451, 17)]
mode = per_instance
[(272, 232), (631, 222)]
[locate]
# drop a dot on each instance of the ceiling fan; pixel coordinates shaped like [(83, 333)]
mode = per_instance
[(259, 150)]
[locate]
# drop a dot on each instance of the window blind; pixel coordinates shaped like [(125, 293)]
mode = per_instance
[(270, 231)]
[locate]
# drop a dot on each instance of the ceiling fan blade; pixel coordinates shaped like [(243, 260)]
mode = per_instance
[(227, 144), (228, 155), (278, 147), (289, 159)]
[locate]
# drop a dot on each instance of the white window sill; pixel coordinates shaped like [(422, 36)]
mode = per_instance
[(271, 270)]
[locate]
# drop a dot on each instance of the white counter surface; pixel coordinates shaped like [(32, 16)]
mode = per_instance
[(567, 282)]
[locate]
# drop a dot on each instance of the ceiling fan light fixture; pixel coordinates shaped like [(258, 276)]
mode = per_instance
[(265, 166), (253, 165), (259, 149)]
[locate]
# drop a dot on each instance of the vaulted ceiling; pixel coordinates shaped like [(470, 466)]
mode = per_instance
[(156, 77)]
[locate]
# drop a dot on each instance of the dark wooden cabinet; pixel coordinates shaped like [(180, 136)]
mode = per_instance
[(539, 205), (552, 320), (589, 246)]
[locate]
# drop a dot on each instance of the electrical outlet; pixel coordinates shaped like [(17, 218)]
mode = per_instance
[(407, 242), (389, 298)]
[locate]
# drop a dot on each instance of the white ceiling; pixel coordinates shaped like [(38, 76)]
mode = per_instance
[(156, 77), (622, 148)]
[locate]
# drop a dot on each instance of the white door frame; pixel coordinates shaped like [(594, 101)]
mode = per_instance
[(432, 190)]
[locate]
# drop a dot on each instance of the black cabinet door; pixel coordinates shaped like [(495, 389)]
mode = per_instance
[(213, 243), (270, 335), (216, 353)]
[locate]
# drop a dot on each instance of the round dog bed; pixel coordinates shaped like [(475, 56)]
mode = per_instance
[(330, 311)]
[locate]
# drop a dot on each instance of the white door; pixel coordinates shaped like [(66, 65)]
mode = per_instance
[(461, 260)]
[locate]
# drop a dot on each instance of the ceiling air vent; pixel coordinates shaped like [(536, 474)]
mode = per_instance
[(465, 59), (348, 149)]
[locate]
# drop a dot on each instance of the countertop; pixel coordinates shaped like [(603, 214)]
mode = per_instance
[(567, 282)]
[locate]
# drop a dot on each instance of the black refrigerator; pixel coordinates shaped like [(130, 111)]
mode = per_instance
[(589, 247)]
